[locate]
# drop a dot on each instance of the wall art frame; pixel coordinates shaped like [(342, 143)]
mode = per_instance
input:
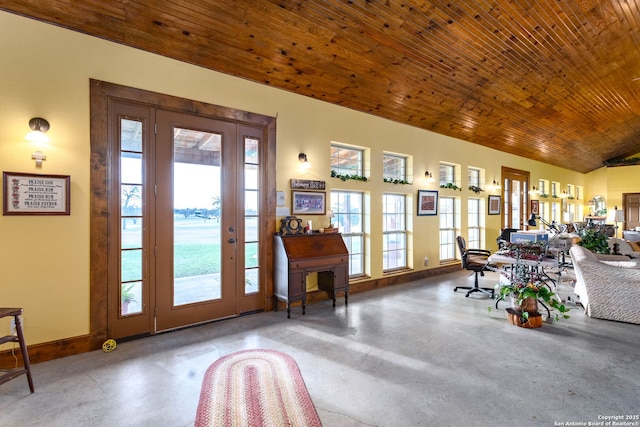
[(495, 202), (308, 202), (427, 202), (535, 207)]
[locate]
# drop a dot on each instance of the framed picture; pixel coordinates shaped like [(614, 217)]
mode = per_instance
[(494, 205), (31, 194), (535, 207), (308, 202), (427, 202)]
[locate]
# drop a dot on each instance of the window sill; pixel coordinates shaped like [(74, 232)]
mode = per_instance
[(396, 271)]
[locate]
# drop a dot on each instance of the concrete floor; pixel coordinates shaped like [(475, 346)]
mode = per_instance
[(416, 354)]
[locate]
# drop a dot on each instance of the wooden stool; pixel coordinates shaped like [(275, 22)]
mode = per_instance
[(10, 374)]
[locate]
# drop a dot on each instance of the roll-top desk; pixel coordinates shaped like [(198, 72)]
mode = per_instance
[(295, 256)]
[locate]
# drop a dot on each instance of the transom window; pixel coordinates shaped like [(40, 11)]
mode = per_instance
[(394, 227), (394, 167), (474, 177), (543, 186), (348, 208), (347, 160), (447, 173)]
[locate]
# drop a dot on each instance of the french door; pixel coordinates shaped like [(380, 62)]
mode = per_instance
[(516, 198), (185, 228)]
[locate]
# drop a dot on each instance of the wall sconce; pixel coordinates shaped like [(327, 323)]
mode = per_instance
[(38, 128), (303, 159), (534, 190), (496, 185), (428, 176)]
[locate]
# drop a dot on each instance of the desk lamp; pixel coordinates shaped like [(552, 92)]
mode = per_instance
[(532, 222)]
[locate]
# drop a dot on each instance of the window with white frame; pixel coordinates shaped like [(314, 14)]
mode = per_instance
[(394, 229), (447, 229), (554, 189), (348, 208), (579, 192), (544, 213), (579, 212), (473, 175), (570, 214), (555, 212), (571, 191), (394, 167), (543, 186), (447, 173), (347, 160), (473, 223)]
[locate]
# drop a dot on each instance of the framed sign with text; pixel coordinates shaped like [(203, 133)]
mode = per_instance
[(31, 194), (306, 184)]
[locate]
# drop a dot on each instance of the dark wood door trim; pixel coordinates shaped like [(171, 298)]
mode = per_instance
[(100, 179), (520, 175)]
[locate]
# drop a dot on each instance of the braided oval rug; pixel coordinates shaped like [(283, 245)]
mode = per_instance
[(255, 388)]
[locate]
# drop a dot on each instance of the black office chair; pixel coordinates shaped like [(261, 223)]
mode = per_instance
[(476, 260)]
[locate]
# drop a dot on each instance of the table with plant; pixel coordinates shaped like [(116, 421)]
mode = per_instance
[(526, 284)]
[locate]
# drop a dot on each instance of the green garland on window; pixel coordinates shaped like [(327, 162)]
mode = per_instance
[(451, 186), (345, 177), (395, 181), (475, 189)]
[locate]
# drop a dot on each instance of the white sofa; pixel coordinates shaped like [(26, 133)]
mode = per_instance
[(608, 286), (624, 247)]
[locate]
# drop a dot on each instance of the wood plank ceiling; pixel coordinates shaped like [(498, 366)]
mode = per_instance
[(550, 80)]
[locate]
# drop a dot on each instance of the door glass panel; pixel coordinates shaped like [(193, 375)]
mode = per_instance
[(131, 265), (515, 204), (131, 233), (251, 229), (131, 168), (131, 230), (251, 203), (251, 281), (131, 295), (251, 177), (130, 135), (196, 220), (130, 200), (251, 254)]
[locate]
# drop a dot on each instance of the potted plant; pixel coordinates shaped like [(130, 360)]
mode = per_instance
[(525, 296), (595, 239), (526, 288), (127, 295)]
